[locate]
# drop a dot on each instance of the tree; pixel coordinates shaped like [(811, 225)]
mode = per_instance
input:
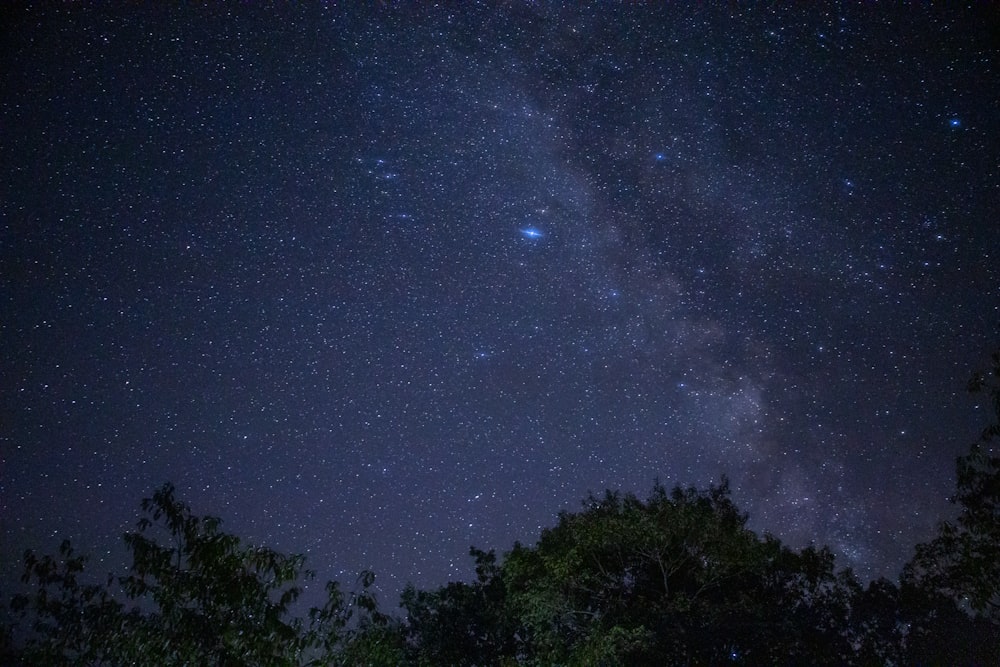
[(963, 561), (217, 601), (460, 623), (199, 597), (375, 640), (71, 623), (678, 578)]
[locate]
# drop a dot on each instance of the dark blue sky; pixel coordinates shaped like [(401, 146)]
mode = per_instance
[(377, 285)]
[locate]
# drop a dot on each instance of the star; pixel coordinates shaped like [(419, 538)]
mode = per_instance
[(682, 264)]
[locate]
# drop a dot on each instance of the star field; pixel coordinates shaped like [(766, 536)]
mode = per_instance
[(379, 284)]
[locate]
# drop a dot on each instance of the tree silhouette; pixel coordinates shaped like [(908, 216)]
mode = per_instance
[(963, 561), (199, 596), (677, 578)]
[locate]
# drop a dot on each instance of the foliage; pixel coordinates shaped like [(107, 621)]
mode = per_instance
[(963, 561), (198, 596), (461, 624), (677, 578), (216, 600), (71, 623)]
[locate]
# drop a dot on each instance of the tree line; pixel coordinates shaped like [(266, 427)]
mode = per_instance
[(675, 578)]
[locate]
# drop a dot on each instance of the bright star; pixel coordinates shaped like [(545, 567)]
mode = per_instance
[(954, 122), (531, 233)]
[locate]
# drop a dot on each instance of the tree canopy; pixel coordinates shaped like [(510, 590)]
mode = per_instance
[(194, 595), (675, 578), (963, 561)]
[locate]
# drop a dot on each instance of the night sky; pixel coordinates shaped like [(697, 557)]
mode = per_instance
[(380, 283)]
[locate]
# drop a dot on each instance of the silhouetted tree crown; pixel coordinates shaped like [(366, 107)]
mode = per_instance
[(963, 561), (676, 578)]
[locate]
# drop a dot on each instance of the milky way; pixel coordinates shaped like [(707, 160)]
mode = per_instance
[(376, 285)]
